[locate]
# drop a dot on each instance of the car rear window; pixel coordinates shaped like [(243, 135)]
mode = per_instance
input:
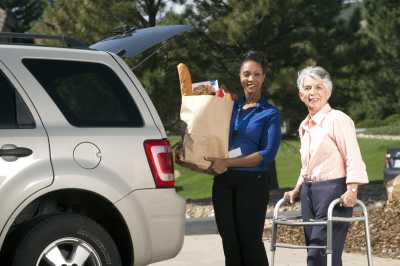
[(13, 111), (88, 94)]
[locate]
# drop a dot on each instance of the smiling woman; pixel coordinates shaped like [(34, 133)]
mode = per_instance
[(240, 188)]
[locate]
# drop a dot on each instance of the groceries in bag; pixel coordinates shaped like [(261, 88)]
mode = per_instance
[(209, 87), (206, 110)]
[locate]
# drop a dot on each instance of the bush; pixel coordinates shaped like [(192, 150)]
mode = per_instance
[(392, 120), (373, 123), (369, 123)]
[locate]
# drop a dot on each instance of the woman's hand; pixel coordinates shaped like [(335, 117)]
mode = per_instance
[(349, 198), (218, 165), (291, 196)]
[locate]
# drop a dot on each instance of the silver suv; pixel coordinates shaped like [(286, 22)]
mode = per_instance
[(86, 172)]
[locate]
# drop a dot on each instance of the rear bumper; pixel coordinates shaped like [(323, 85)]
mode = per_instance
[(156, 221)]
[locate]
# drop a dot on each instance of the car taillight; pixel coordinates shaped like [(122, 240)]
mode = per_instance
[(387, 160), (159, 155)]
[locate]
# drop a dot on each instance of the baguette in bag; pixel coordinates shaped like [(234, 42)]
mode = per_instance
[(185, 80)]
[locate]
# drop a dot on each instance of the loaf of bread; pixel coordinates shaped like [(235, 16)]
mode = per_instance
[(204, 89), (185, 80)]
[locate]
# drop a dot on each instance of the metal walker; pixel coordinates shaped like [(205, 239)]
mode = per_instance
[(291, 221)]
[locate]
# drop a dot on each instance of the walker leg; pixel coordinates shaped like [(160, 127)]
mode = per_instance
[(368, 239), (329, 259), (329, 241), (273, 242), (273, 258)]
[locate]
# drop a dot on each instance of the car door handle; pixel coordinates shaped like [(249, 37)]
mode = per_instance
[(16, 152)]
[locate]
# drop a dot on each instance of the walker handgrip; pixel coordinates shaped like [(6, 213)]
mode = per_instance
[(339, 200), (277, 206), (332, 205)]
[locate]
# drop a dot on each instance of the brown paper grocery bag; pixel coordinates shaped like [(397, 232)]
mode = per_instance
[(207, 134)]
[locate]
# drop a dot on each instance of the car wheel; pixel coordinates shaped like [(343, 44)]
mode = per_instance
[(66, 240)]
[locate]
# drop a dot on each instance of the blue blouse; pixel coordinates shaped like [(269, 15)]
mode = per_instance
[(255, 129)]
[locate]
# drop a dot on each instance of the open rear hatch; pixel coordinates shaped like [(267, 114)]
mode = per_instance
[(129, 42)]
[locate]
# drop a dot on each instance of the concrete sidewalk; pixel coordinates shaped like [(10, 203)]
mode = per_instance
[(206, 250)]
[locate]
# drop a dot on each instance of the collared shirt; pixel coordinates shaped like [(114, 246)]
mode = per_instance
[(329, 148), (257, 130)]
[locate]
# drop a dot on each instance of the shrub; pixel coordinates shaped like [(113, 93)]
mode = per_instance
[(369, 123), (392, 120)]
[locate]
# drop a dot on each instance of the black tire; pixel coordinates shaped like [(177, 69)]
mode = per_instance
[(67, 234)]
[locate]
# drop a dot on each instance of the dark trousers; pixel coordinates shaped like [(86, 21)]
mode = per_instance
[(240, 203), (315, 199)]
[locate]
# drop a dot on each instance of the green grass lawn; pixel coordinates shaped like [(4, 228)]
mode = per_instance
[(373, 152), (288, 163), (192, 185)]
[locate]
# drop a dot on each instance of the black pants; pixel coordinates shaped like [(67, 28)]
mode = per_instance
[(240, 202), (315, 199)]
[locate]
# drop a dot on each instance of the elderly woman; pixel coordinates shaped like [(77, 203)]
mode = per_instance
[(331, 164)]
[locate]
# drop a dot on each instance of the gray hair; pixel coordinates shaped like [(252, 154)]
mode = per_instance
[(314, 72)]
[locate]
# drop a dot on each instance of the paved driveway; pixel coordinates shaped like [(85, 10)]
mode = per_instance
[(206, 250), (202, 247)]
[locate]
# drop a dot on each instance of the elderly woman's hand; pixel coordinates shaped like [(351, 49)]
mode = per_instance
[(218, 165), (291, 196), (349, 198)]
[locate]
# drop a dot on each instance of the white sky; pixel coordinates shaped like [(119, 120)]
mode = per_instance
[(177, 8)]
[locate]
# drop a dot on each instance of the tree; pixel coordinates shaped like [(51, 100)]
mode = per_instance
[(291, 34), (372, 66), (381, 69), (382, 22), (88, 21), (25, 11), (92, 20)]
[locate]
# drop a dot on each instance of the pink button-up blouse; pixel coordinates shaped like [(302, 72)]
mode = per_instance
[(329, 148)]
